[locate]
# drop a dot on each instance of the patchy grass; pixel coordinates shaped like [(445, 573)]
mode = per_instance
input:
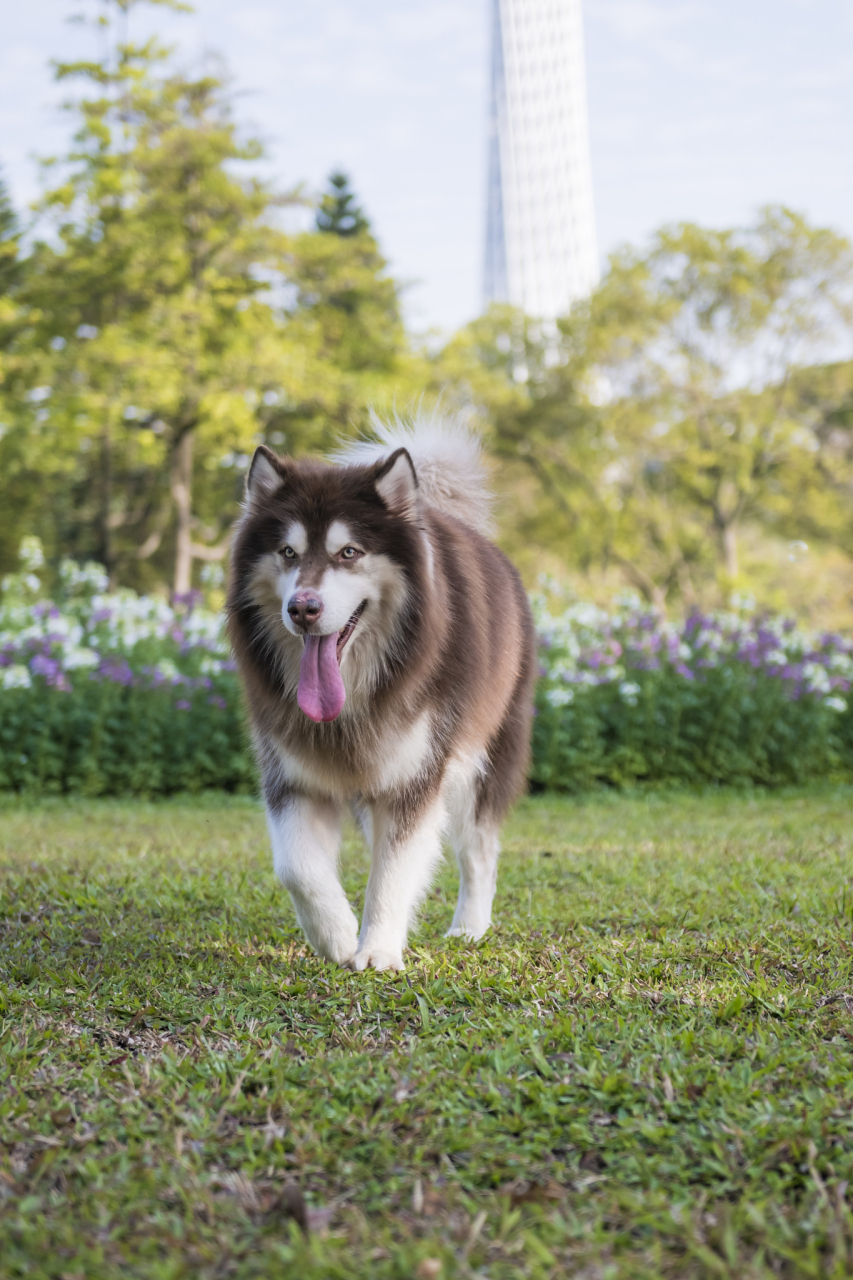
[(644, 1070)]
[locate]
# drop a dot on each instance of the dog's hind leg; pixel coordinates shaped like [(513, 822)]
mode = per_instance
[(404, 858), (474, 841), (305, 835)]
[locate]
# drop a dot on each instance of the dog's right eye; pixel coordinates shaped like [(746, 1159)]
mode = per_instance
[(288, 553)]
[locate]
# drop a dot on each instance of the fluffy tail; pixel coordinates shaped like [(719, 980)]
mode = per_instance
[(448, 461)]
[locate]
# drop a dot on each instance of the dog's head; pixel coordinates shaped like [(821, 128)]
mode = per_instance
[(327, 558)]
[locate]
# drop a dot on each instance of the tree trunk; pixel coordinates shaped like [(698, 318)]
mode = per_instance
[(182, 468), (106, 548), (730, 549)]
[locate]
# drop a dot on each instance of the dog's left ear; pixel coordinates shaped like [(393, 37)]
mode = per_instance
[(397, 485)]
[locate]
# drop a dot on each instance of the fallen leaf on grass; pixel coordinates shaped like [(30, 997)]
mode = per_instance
[(320, 1218), (428, 1269), (91, 937), (591, 1162), (431, 1201), (521, 1192)]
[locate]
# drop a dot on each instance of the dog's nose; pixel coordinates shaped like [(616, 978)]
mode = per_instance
[(304, 608)]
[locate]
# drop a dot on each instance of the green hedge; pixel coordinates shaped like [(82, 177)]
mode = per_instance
[(732, 726), (106, 738)]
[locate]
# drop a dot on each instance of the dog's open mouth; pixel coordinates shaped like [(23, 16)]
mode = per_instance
[(321, 694), (345, 632)]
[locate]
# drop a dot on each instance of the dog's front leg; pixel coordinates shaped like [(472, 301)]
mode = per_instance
[(477, 856), (405, 854), (306, 833)]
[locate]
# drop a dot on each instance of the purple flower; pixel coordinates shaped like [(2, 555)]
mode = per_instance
[(42, 666), (216, 701), (183, 705), (115, 670)]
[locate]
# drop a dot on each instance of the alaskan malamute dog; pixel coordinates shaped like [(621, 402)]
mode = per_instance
[(387, 651)]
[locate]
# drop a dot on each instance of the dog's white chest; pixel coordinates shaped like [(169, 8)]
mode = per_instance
[(395, 758)]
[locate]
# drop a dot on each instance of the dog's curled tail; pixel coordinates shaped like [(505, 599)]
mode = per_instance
[(448, 462)]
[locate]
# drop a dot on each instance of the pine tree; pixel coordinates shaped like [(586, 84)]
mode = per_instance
[(338, 214), (10, 241)]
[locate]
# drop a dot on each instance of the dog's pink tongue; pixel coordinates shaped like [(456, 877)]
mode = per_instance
[(321, 692)]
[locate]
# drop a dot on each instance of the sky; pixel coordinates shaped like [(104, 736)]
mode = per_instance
[(699, 110)]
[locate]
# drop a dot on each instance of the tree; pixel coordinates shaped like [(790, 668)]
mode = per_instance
[(338, 214), (670, 413), (172, 326), (19, 490), (10, 244), (347, 346), (154, 338)]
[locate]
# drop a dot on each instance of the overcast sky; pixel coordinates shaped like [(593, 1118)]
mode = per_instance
[(699, 109)]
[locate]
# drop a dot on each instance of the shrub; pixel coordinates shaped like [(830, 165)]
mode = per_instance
[(107, 693), (724, 698), (111, 693)]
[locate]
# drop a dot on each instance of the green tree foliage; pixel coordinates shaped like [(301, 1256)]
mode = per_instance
[(172, 325), (338, 213), (671, 409), (17, 493), (10, 237), (151, 323), (345, 336)]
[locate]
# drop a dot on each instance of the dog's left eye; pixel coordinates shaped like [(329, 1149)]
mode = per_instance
[(350, 553)]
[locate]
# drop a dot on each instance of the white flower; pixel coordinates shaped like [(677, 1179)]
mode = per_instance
[(78, 658), (816, 678), (835, 704), (628, 692), (90, 576), (559, 697), (16, 677)]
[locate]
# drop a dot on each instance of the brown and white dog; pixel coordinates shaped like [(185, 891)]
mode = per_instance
[(387, 652)]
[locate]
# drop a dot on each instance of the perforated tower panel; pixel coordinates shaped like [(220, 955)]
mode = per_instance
[(541, 251)]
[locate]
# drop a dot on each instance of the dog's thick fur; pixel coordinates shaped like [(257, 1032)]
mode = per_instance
[(433, 737)]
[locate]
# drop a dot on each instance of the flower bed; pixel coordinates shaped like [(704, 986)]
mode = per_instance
[(110, 693), (727, 697)]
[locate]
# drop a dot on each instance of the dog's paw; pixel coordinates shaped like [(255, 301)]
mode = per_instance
[(335, 940), (470, 932), (374, 958)]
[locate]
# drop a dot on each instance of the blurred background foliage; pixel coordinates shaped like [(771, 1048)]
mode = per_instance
[(687, 430)]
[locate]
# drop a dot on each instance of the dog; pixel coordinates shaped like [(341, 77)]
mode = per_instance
[(387, 653)]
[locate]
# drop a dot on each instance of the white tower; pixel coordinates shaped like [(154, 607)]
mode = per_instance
[(541, 251)]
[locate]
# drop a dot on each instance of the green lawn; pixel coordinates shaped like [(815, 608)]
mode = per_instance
[(644, 1070)]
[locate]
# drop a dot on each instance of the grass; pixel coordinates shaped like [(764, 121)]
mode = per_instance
[(644, 1070)]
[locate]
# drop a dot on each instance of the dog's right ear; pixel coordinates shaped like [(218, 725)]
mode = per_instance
[(267, 474)]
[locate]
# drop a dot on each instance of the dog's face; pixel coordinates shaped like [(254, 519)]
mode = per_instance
[(327, 554)]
